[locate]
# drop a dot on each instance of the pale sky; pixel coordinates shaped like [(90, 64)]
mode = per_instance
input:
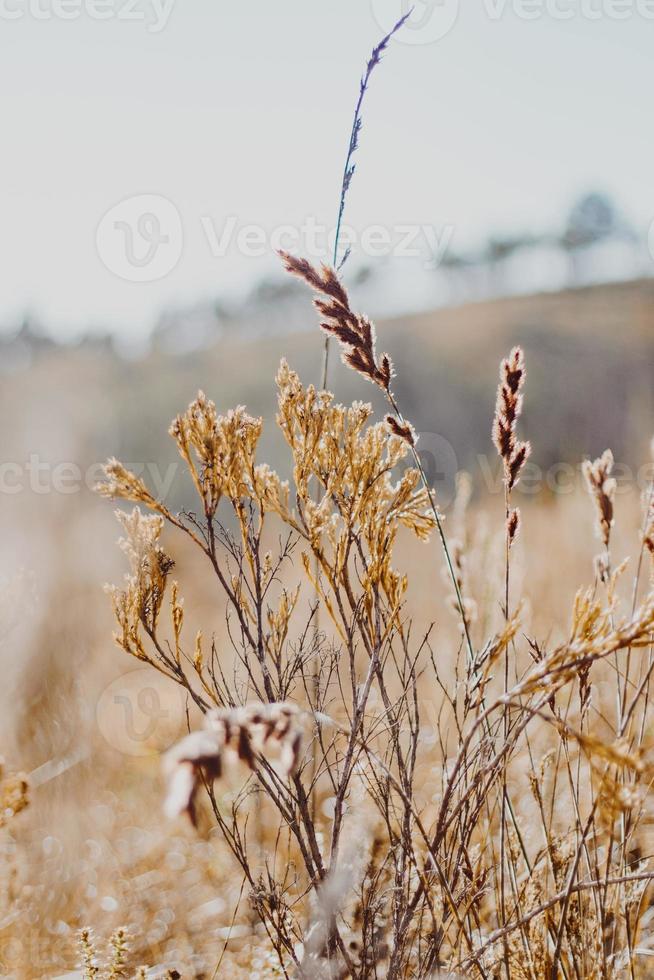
[(240, 112)]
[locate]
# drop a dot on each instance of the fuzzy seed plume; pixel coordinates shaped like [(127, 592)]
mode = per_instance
[(513, 451), (231, 735), (354, 332), (403, 430), (513, 525), (602, 487)]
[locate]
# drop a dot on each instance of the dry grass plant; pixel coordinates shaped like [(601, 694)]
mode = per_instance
[(530, 858)]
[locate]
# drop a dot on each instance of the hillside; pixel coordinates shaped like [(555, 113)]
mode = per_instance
[(590, 354)]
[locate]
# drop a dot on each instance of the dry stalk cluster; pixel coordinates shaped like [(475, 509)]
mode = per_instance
[(500, 817)]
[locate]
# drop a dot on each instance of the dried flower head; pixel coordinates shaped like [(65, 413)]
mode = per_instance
[(218, 450), (513, 452), (343, 478), (138, 604), (89, 955), (229, 735), (119, 954), (402, 429), (354, 332), (122, 483), (513, 525), (602, 487)]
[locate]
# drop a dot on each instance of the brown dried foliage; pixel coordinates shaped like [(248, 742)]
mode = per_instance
[(602, 487), (513, 452), (354, 332), (391, 853)]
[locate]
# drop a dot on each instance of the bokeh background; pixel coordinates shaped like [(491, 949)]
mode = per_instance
[(155, 156)]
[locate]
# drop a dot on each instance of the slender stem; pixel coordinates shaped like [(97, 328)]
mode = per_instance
[(505, 720), (649, 502), (348, 171), (568, 892), (459, 599), (507, 509), (441, 532), (352, 146)]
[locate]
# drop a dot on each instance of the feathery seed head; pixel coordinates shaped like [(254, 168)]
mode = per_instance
[(354, 332), (513, 525), (513, 452), (231, 735), (602, 488)]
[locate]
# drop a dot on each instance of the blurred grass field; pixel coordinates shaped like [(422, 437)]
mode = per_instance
[(93, 847)]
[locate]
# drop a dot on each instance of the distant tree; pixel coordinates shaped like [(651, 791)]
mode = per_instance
[(592, 218)]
